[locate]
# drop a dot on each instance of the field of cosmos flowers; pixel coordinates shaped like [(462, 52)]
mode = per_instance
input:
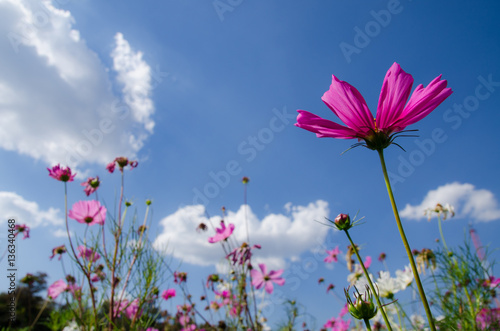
[(114, 277)]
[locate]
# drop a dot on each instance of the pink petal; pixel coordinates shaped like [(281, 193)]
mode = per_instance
[(395, 92), (323, 127), (269, 287), (423, 101), (350, 106)]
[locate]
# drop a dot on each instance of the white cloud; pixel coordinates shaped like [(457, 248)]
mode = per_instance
[(56, 97), (469, 202), (282, 237), (27, 212)]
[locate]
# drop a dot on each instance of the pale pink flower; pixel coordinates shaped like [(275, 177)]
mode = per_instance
[(222, 233), (57, 288), (263, 278), (167, 294), (91, 185), (62, 174), (392, 115), (88, 212), (88, 254), (133, 309), (332, 255), (23, 228)]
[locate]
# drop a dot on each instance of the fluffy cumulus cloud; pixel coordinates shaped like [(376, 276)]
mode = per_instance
[(283, 237), (58, 102), (28, 212), (469, 202)]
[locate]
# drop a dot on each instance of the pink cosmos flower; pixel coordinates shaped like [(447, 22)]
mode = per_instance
[(57, 288), (491, 282), (88, 254), (62, 174), (91, 185), (122, 162), (332, 255), (337, 324), (392, 115), (167, 294), (59, 250), (262, 278), (88, 212), (23, 228), (222, 233), (489, 319), (133, 309)]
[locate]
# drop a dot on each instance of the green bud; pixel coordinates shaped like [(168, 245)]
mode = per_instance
[(342, 222), (363, 307)]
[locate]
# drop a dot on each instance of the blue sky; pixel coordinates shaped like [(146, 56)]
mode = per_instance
[(203, 93)]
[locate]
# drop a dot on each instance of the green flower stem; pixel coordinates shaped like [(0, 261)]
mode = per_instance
[(367, 323), (372, 287), (406, 244), (441, 233), (473, 314)]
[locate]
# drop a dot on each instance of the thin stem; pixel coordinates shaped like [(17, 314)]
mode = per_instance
[(473, 314), (39, 314), (441, 233), (372, 287), (367, 323), (406, 244)]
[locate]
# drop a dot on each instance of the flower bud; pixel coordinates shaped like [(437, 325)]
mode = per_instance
[(343, 222), (363, 307)]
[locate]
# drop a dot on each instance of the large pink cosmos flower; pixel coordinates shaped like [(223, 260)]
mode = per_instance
[(88, 212), (62, 174), (262, 278), (222, 233), (392, 115)]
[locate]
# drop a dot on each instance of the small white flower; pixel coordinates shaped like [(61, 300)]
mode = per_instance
[(72, 326), (387, 285), (404, 277), (418, 321)]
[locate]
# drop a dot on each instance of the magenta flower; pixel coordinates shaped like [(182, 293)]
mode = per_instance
[(332, 255), (91, 185), (23, 228), (88, 212), (59, 250), (491, 282), (133, 309), (88, 254), (62, 174), (337, 324), (122, 162), (57, 288), (262, 278), (180, 277), (489, 319), (167, 294), (392, 115), (222, 233)]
